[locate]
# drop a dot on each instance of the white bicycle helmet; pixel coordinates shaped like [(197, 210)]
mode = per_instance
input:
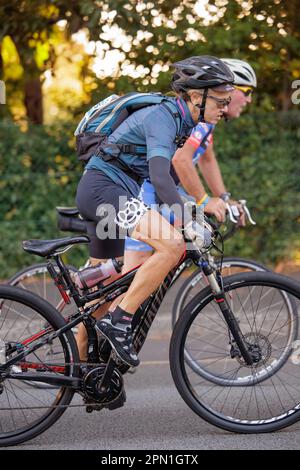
[(242, 71)]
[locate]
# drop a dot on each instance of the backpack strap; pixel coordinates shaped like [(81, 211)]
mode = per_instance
[(168, 105), (133, 149), (124, 148), (179, 139)]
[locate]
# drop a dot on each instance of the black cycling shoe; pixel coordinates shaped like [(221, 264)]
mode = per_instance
[(120, 339)]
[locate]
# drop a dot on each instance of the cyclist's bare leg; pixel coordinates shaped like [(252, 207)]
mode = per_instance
[(132, 259), (81, 337), (169, 247)]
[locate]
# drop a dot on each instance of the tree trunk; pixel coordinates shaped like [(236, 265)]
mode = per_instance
[(2, 84), (33, 100), (33, 97), (286, 101)]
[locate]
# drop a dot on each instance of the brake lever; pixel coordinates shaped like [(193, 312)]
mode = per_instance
[(230, 212), (243, 202)]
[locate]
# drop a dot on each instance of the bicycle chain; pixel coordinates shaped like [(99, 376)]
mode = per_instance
[(85, 405)]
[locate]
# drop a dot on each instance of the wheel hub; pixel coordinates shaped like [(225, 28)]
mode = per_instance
[(259, 347)]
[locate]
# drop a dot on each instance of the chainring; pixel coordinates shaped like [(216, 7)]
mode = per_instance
[(92, 385)]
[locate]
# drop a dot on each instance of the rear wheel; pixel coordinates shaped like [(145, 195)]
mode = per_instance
[(37, 279), (263, 397), (26, 412)]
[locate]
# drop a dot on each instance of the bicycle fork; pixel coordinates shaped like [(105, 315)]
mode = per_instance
[(227, 313)]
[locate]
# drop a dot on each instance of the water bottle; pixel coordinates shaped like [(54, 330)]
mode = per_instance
[(90, 277), (2, 352)]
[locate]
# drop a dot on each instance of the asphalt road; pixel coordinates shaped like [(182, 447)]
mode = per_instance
[(153, 418)]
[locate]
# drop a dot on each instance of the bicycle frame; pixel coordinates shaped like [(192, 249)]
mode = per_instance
[(141, 323)]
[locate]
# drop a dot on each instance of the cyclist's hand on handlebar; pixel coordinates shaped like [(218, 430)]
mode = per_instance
[(200, 235), (216, 207)]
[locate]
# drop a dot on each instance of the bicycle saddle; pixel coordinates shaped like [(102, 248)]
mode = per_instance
[(69, 211), (49, 247)]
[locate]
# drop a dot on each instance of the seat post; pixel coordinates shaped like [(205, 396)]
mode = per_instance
[(67, 284)]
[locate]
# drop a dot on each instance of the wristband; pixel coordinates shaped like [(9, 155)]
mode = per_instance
[(205, 202), (202, 199)]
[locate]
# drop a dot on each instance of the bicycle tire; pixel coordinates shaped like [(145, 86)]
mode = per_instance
[(223, 419), (37, 311)]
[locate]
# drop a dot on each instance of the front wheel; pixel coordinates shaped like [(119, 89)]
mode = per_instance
[(263, 397)]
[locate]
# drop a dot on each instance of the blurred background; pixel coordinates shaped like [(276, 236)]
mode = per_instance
[(58, 58)]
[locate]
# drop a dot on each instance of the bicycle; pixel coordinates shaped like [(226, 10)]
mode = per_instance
[(100, 381), (37, 278)]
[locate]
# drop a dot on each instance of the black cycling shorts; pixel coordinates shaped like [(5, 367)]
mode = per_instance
[(99, 201)]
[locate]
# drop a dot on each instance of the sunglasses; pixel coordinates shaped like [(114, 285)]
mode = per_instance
[(247, 90), (221, 103)]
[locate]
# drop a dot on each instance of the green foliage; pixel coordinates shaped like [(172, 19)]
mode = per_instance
[(39, 171), (259, 156), (260, 161), (266, 33)]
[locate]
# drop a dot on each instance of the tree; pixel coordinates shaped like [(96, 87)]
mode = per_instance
[(152, 34), (30, 25), (265, 32)]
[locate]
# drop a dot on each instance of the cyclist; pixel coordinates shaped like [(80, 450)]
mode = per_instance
[(203, 85), (244, 83), (200, 151)]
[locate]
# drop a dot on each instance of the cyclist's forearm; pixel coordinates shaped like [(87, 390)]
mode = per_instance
[(189, 178), (165, 187), (211, 172)]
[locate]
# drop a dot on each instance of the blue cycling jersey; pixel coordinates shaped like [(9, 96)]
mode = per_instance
[(153, 126), (199, 140)]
